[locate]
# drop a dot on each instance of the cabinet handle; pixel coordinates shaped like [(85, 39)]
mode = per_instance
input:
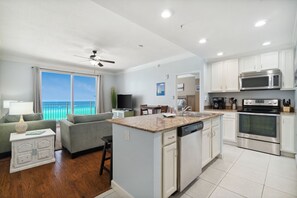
[(172, 137)]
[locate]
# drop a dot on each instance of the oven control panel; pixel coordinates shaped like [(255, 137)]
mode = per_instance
[(261, 102)]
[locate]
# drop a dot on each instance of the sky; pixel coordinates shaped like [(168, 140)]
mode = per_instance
[(56, 87)]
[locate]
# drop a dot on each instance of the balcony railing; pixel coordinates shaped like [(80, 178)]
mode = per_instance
[(59, 110)]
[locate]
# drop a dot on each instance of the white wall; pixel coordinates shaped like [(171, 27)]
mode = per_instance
[(142, 83), (16, 82)]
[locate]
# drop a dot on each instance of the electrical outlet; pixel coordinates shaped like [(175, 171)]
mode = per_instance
[(126, 135)]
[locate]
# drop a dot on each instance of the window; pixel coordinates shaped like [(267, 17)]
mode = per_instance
[(58, 100)]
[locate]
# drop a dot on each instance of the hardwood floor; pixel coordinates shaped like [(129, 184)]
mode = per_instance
[(66, 177)]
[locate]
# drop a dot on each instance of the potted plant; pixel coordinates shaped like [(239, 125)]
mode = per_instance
[(113, 98)]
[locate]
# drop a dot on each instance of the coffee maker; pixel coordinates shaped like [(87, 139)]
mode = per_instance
[(218, 103)]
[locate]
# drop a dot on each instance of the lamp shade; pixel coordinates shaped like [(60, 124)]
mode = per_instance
[(7, 102), (20, 108)]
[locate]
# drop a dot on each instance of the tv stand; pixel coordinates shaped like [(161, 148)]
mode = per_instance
[(122, 113)]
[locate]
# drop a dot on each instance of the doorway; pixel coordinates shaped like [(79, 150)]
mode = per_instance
[(188, 91)]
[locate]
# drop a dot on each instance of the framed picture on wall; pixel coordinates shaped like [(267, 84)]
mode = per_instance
[(160, 89), (180, 87)]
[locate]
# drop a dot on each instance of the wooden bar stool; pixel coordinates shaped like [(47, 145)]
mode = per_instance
[(143, 109), (107, 148)]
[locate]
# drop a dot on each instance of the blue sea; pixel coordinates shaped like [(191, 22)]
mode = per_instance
[(58, 110)]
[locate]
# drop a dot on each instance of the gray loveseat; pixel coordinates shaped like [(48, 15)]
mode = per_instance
[(7, 126), (84, 132)]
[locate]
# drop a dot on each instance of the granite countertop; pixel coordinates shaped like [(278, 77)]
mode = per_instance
[(157, 123)]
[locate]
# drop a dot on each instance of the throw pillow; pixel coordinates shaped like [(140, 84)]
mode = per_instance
[(91, 118), (32, 117), (12, 118)]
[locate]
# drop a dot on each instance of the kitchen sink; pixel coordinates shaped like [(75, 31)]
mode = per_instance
[(193, 114)]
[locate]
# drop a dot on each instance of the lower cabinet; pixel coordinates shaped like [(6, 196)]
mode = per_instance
[(211, 140), (287, 133), (169, 169), (230, 127), (122, 113)]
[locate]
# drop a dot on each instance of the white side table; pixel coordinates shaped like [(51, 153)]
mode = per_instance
[(28, 151)]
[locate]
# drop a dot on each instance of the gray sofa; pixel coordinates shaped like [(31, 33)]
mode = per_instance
[(84, 132), (7, 126)]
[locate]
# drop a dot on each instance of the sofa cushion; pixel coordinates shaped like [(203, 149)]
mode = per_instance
[(70, 118), (91, 118), (12, 118), (32, 117), (2, 120)]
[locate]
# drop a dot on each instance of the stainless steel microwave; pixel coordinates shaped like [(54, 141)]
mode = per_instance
[(265, 79)]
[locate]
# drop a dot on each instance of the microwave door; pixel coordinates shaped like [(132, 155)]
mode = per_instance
[(252, 83)]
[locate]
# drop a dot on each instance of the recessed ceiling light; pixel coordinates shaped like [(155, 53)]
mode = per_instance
[(203, 40), (220, 53), (260, 23), (166, 14), (266, 43)]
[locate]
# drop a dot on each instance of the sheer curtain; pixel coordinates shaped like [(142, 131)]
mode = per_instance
[(99, 98), (37, 90)]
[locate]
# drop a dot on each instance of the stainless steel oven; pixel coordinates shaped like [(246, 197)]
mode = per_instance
[(259, 125)]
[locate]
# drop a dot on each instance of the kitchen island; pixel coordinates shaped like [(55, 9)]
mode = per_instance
[(145, 152)]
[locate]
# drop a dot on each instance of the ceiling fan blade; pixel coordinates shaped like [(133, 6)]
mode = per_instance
[(100, 64), (81, 56), (107, 61)]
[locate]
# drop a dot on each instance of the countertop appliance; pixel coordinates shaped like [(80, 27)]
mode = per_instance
[(218, 103), (259, 125), (190, 154), (265, 79)]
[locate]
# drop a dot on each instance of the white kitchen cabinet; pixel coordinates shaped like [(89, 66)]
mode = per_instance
[(217, 81), (216, 140), (206, 146), (259, 62), (269, 60), (287, 133), (224, 76), (211, 140), (229, 127), (169, 169), (286, 65), (248, 64)]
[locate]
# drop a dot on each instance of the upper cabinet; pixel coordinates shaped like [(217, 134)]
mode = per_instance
[(286, 65), (259, 62), (224, 76)]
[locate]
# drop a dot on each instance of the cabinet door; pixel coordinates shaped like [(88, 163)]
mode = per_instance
[(248, 64), (229, 128), (287, 68), (231, 75), (269, 60), (217, 82), (287, 133), (169, 169), (216, 141), (206, 146)]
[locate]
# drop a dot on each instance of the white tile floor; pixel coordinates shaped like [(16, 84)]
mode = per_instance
[(242, 173)]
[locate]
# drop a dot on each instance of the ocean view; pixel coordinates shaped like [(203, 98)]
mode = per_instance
[(58, 110)]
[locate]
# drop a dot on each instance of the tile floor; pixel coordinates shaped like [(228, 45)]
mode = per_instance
[(242, 173)]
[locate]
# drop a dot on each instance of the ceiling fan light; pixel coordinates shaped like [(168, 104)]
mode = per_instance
[(93, 62)]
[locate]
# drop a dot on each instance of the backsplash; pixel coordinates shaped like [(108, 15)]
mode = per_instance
[(277, 94)]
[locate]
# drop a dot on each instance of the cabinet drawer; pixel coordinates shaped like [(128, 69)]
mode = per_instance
[(215, 121), (206, 124), (169, 137), (229, 115)]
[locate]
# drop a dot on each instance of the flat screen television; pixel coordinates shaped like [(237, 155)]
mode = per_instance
[(124, 101)]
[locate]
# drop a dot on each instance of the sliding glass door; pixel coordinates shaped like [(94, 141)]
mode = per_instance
[(84, 95), (64, 94)]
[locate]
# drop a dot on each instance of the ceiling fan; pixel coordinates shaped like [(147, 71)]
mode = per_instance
[(96, 60)]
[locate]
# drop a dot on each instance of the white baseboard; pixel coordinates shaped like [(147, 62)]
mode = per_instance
[(120, 190)]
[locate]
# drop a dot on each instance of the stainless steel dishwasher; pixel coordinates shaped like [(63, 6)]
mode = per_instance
[(190, 154)]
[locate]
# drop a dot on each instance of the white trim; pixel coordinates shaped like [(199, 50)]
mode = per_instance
[(158, 62), (116, 187), (296, 159), (294, 33)]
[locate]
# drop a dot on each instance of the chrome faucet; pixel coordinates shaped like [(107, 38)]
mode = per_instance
[(185, 109)]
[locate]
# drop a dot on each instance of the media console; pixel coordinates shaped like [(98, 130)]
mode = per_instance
[(122, 113)]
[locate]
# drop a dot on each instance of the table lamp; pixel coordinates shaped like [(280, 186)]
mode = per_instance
[(7, 102), (20, 108)]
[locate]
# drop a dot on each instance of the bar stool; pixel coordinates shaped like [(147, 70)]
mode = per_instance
[(107, 148), (143, 109)]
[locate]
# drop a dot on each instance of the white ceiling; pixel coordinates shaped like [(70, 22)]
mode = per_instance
[(54, 31)]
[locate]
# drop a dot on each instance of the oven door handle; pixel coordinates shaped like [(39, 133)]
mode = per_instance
[(260, 114)]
